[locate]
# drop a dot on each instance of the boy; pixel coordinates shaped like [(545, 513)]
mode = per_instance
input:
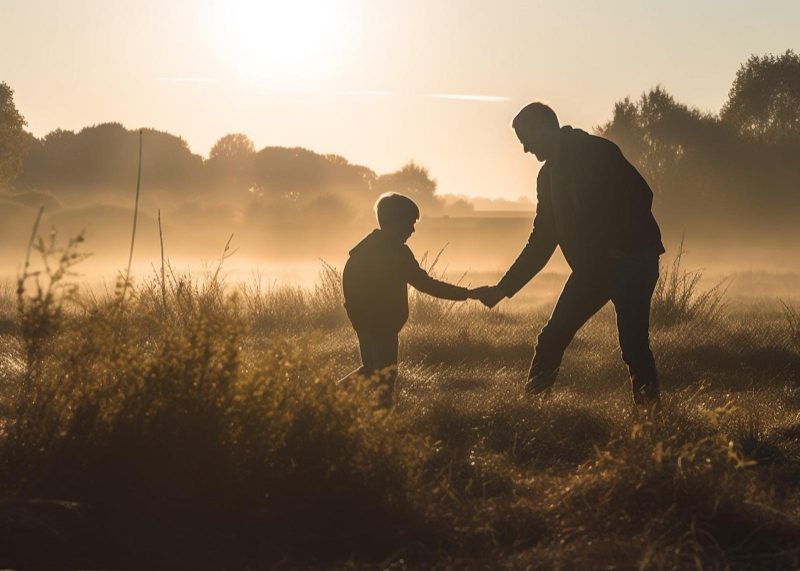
[(375, 280)]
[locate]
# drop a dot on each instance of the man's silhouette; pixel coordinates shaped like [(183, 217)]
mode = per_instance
[(596, 206), (375, 282)]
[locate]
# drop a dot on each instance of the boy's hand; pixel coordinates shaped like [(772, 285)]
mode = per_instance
[(476, 292), (488, 295)]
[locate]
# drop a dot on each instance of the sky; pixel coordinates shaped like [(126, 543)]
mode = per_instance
[(379, 82)]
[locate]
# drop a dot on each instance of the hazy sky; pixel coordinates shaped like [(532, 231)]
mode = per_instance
[(377, 81)]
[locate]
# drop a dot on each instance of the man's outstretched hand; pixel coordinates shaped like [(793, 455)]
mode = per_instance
[(488, 295)]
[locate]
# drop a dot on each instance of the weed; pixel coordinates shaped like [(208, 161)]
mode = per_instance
[(678, 298)]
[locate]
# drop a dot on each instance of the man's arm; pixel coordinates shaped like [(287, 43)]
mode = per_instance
[(541, 244)]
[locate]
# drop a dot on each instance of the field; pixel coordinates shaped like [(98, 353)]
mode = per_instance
[(182, 422)]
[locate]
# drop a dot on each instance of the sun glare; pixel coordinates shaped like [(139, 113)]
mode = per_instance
[(284, 43)]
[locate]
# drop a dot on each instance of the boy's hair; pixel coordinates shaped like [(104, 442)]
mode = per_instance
[(392, 206), (535, 114)]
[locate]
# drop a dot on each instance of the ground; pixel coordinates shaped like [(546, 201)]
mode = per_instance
[(201, 424)]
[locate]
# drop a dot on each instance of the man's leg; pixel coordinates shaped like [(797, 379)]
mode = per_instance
[(582, 297), (632, 292)]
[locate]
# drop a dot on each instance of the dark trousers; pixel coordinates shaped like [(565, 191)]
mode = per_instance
[(378, 363), (628, 283)]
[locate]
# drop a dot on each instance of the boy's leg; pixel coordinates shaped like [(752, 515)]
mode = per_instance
[(632, 293), (582, 297), (378, 361), (384, 349), (366, 352)]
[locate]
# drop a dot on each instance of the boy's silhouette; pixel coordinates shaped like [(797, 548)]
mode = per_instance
[(375, 281)]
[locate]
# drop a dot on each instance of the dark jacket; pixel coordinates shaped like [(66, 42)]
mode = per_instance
[(593, 204), (375, 283)]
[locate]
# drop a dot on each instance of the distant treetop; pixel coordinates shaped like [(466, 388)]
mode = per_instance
[(764, 100), (231, 146)]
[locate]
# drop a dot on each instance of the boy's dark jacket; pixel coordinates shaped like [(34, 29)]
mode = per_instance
[(375, 281), (593, 204)]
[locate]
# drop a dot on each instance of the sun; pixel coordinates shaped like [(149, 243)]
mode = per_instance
[(283, 43)]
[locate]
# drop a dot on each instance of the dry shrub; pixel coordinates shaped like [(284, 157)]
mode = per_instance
[(291, 308), (678, 299), (196, 425), (146, 415)]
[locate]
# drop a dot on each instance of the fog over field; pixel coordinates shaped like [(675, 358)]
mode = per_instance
[(726, 183)]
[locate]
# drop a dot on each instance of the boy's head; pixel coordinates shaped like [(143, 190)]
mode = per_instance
[(396, 215)]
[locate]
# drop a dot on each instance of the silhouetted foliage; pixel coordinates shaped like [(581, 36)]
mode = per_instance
[(232, 146), (415, 182), (732, 172), (103, 159), (765, 98), (12, 136)]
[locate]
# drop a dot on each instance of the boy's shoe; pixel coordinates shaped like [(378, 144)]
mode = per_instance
[(387, 394), (385, 405)]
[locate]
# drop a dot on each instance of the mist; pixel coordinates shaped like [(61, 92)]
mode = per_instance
[(725, 184)]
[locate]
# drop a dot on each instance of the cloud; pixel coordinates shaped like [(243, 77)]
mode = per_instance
[(188, 79), (470, 97), (363, 93)]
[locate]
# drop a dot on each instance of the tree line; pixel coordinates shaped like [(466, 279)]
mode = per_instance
[(737, 168)]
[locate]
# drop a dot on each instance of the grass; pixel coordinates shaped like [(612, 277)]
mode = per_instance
[(198, 425), (792, 315), (678, 298)]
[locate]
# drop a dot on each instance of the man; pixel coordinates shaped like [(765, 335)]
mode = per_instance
[(596, 206)]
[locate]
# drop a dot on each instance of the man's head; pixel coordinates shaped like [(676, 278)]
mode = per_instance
[(536, 126), (396, 215)]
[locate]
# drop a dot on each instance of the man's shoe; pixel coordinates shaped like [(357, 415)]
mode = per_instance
[(538, 386), (647, 400)]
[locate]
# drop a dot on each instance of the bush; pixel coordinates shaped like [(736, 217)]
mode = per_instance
[(144, 412)]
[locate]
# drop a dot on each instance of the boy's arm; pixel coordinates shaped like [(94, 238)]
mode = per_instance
[(419, 279)]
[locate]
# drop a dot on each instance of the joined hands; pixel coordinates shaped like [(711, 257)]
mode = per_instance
[(487, 295)]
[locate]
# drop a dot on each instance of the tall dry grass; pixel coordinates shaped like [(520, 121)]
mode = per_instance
[(678, 297), (198, 425)]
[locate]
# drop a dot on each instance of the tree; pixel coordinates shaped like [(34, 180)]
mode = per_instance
[(13, 139), (415, 182), (103, 160), (653, 132), (764, 100), (232, 146)]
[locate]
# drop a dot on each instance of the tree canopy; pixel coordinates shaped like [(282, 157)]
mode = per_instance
[(12, 136), (231, 146), (737, 168), (764, 100)]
